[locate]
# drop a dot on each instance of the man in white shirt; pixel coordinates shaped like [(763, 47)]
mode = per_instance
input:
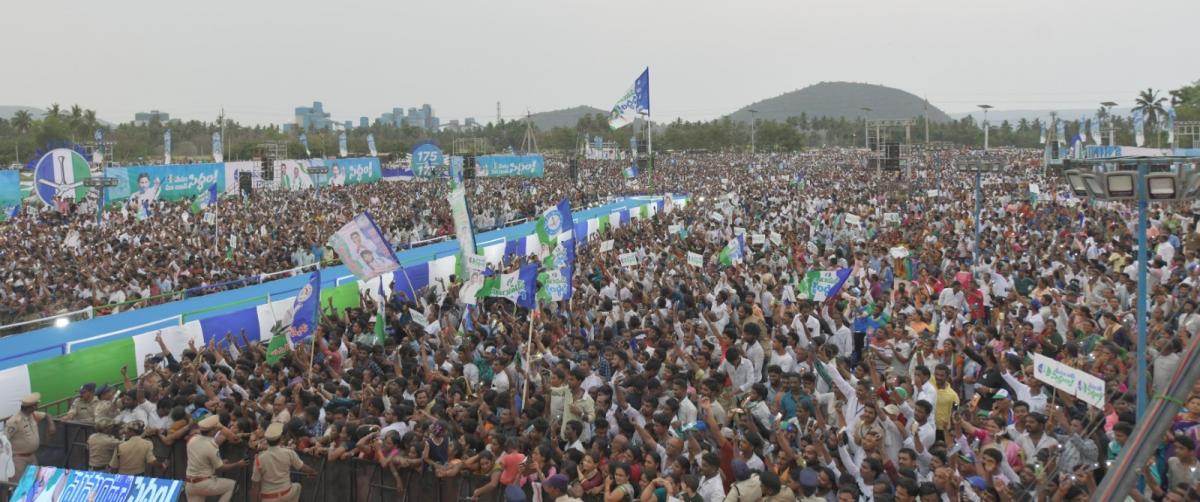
[(740, 371)]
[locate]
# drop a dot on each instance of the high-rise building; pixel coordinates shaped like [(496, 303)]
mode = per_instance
[(313, 117), (364, 122), (421, 118)]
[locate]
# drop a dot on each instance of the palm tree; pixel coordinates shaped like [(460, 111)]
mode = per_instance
[(54, 110), (1151, 106), (89, 119), (22, 121)]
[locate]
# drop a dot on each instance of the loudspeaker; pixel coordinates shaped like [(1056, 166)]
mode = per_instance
[(469, 161), (891, 150), (245, 183), (573, 166), (469, 172), (268, 169)]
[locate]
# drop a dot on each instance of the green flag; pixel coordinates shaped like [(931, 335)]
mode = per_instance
[(603, 226), (277, 348), (380, 324), (645, 211)]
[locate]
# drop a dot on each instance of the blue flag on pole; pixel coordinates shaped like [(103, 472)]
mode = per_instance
[(636, 101), (528, 276), (631, 171), (304, 309)]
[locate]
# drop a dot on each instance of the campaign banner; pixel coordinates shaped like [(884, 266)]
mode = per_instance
[(354, 171), (428, 159), (529, 166), (98, 151), (363, 249), (53, 484), (10, 188), (819, 285), (397, 174), (695, 259), (460, 213), (628, 259), (1074, 381), (606, 246), (217, 150), (171, 182), (293, 175)]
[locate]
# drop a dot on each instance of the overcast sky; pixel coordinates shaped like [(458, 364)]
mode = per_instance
[(260, 59)]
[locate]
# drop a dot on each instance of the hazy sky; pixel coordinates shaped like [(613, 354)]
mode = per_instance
[(259, 59)]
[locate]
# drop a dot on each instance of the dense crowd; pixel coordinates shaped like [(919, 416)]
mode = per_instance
[(665, 381)]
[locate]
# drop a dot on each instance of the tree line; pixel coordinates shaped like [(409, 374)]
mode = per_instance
[(23, 134)]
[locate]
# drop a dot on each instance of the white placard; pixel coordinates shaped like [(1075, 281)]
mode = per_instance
[(852, 219), (606, 246), (1071, 380), (739, 230), (628, 259), (891, 218), (716, 215), (695, 259), (758, 239), (776, 238), (475, 264), (932, 193), (418, 317), (674, 229)]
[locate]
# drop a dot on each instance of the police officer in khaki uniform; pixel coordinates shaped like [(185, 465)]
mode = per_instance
[(101, 445), (105, 402), (135, 454), (83, 408), (22, 430), (203, 462), (271, 478)]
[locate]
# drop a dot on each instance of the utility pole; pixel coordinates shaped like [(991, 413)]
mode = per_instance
[(753, 119), (1108, 114), (497, 113), (866, 127), (985, 109), (926, 121), (529, 144), (221, 119)]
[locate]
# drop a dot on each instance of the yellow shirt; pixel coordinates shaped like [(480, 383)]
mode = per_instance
[(947, 399)]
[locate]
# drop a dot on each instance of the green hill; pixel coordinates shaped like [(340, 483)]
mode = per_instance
[(842, 99)]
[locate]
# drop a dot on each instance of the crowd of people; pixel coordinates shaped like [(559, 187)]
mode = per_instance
[(665, 380)]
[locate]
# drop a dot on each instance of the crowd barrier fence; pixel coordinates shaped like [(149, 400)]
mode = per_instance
[(351, 480)]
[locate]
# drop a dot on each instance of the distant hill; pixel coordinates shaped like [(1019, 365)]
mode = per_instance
[(1014, 116), (7, 111), (562, 118), (842, 99)]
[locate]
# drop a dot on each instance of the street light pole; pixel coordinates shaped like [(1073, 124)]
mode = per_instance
[(1108, 112), (866, 127), (1143, 253), (979, 186), (753, 119)]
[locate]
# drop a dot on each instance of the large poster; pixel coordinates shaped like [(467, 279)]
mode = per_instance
[(355, 171), (52, 484), (530, 166), (363, 249), (293, 174), (233, 172), (171, 182), (10, 188)]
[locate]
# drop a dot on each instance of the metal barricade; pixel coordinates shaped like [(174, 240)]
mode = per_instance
[(352, 480)]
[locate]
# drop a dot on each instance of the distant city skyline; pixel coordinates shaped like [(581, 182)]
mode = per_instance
[(707, 58)]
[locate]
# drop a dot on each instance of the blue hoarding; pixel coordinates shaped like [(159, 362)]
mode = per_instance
[(169, 182), (530, 166)]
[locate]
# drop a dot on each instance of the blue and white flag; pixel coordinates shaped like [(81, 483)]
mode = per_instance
[(304, 141), (819, 285), (633, 144), (631, 171), (1083, 130), (1061, 132), (1170, 125), (1042, 138), (218, 148), (371, 145), (342, 150), (205, 199), (363, 249), (167, 146), (1139, 133), (636, 101), (1096, 130), (305, 309), (12, 212), (98, 152)]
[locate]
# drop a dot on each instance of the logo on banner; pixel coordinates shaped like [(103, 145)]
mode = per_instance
[(305, 292), (59, 175)]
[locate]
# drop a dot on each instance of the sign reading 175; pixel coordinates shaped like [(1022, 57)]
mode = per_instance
[(427, 155)]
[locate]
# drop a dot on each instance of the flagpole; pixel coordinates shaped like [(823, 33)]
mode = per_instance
[(528, 354)]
